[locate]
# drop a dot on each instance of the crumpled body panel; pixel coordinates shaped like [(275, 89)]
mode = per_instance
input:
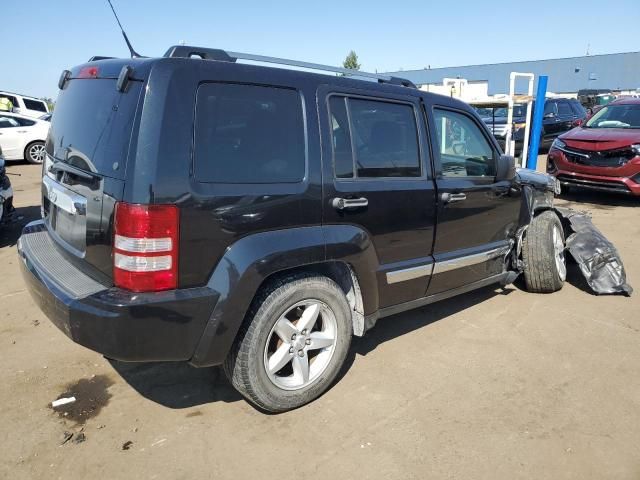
[(598, 259)]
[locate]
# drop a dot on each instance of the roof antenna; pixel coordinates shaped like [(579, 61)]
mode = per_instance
[(134, 54)]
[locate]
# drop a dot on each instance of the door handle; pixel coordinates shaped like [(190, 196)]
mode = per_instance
[(453, 197), (347, 203)]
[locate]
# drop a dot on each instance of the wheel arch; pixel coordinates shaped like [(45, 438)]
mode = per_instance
[(343, 253)]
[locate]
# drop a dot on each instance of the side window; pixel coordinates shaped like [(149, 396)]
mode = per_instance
[(8, 122), (35, 105), (249, 134), (383, 136), (564, 109), (23, 122), (550, 107), (578, 109), (341, 138), (464, 150)]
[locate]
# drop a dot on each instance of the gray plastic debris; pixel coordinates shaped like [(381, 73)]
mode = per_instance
[(598, 259)]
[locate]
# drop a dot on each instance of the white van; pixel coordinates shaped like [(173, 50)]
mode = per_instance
[(29, 106)]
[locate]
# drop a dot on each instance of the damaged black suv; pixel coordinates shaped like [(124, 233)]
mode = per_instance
[(199, 209)]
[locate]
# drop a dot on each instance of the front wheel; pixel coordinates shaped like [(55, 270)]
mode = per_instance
[(545, 268), (293, 343), (35, 153)]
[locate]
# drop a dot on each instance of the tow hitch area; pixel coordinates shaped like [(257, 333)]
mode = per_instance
[(599, 260)]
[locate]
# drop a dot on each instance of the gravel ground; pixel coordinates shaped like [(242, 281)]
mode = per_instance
[(494, 384)]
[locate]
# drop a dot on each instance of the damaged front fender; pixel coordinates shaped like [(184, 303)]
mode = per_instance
[(597, 257)]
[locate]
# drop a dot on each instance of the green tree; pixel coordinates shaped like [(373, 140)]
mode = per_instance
[(351, 62)]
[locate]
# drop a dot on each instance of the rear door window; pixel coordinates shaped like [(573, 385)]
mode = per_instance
[(374, 139), (8, 122), (35, 105), (249, 134)]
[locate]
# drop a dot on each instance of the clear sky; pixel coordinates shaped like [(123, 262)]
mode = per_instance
[(43, 37)]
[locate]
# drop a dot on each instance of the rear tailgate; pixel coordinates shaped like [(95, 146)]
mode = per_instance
[(85, 169)]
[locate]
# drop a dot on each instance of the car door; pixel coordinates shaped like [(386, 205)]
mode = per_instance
[(376, 177), (10, 138), (477, 215)]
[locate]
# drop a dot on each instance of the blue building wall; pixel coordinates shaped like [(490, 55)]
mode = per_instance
[(617, 71)]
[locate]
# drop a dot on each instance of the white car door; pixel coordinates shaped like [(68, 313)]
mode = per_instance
[(11, 133)]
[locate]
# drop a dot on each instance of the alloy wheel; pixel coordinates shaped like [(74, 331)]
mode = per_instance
[(37, 153), (300, 345), (558, 251)]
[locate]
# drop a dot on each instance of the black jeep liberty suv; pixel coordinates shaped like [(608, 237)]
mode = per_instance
[(196, 208)]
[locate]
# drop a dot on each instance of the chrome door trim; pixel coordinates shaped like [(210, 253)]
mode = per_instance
[(470, 260), (409, 273)]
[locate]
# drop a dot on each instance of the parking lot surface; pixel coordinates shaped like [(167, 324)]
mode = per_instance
[(498, 383)]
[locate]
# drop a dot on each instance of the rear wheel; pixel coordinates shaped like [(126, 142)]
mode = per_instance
[(35, 152), (545, 268), (293, 343)]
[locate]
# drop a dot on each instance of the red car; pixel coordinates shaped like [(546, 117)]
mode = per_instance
[(604, 153)]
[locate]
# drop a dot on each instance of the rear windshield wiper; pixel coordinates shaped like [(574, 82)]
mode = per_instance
[(64, 167)]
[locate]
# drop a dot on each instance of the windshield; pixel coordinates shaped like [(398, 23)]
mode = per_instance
[(616, 116)]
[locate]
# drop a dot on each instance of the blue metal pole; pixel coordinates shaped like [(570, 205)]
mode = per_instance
[(536, 124)]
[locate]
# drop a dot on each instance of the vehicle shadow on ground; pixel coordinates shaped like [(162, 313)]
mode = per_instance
[(177, 385), (10, 232), (397, 325), (600, 200)]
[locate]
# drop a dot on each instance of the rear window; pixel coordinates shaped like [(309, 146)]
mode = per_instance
[(249, 134), (35, 105), (93, 124)]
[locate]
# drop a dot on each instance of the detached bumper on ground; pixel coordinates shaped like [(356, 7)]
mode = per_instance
[(119, 324)]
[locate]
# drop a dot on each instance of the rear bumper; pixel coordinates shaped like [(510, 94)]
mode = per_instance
[(624, 184), (127, 326)]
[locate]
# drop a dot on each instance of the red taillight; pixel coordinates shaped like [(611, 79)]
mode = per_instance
[(145, 247), (88, 72)]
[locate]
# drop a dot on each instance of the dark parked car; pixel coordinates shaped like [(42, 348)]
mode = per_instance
[(204, 210), (560, 115), (604, 154)]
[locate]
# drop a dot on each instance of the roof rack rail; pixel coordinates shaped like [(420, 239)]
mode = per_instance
[(186, 51)]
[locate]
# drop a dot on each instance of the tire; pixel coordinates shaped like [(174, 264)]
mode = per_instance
[(545, 267), (268, 339), (35, 153)]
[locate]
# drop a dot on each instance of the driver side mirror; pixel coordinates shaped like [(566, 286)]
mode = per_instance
[(549, 115), (505, 168)]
